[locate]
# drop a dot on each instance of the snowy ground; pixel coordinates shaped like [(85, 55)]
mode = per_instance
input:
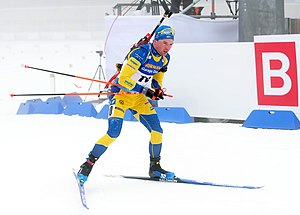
[(38, 152)]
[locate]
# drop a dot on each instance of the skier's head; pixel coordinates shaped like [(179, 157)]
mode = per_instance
[(164, 32), (163, 39)]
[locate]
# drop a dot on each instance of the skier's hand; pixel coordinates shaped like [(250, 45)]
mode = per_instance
[(154, 94), (158, 94)]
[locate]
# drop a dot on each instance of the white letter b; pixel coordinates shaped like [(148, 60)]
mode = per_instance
[(281, 73)]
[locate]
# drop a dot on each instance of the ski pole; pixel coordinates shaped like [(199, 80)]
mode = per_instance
[(70, 75), (78, 94), (71, 94), (84, 78)]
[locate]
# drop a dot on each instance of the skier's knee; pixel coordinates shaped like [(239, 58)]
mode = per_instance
[(114, 127)]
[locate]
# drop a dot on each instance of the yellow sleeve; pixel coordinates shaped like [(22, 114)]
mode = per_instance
[(158, 77), (128, 69)]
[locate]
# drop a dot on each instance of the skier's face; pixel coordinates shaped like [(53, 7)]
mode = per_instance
[(163, 46)]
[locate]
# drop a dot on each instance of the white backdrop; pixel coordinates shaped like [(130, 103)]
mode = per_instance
[(218, 82), (122, 32)]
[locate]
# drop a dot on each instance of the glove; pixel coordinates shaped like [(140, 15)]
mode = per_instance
[(155, 94)]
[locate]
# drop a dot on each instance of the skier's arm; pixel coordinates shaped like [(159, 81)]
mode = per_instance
[(128, 69), (157, 81), (131, 65)]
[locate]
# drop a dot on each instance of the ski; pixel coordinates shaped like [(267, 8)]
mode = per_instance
[(81, 190), (188, 181)]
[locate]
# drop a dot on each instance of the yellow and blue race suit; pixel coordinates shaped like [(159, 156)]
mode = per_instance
[(143, 67)]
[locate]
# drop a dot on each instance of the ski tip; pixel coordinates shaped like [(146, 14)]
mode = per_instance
[(26, 66), (12, 95)]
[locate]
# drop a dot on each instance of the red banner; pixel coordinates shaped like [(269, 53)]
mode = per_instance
[(276, 73)]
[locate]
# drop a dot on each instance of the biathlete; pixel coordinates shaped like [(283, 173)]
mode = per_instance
[(142, 74)]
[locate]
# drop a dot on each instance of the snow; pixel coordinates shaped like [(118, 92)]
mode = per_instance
[(38, 153)]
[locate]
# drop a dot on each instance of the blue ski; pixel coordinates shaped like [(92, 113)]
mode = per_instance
[(188, 181), (81, 190)]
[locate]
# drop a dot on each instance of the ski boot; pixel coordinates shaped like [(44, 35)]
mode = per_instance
[(86, 168), (155, 170)]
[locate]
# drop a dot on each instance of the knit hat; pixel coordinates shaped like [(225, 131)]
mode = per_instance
[(164, 32)]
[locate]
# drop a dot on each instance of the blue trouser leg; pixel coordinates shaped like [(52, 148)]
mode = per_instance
[(114, 130), (152, 123)]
